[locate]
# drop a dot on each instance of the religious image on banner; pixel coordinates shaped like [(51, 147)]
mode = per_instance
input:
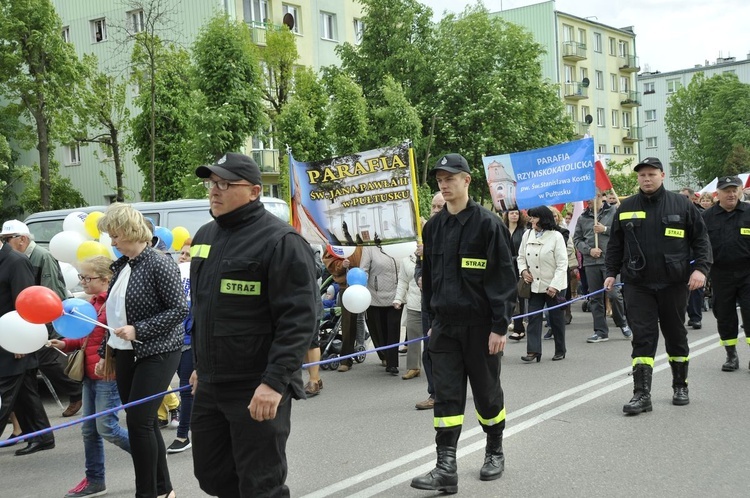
[(368, 198), (541, 177)]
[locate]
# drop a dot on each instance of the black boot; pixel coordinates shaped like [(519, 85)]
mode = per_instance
[(641, 400), (679, 382), (494, 459), (444, 476), (733, 361)]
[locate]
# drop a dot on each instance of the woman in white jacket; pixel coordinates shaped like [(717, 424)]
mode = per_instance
[(543, 262), (409, 292)]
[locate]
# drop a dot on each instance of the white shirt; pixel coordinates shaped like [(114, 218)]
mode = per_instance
[(116, 316)]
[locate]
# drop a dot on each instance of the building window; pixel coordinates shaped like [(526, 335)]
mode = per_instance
[(649, 88), (673, 85), (651, 115), (582, 36), (600, 117), (612, 46), (615, 119), (569, 74), (66, 34), (359, 29), (615, 149), (328, 26), (98, 30), (602, 149), (584, 74), (623, 48), (625, 119), (568, 33), (136, 21), (72, 154), (613, 82), (599, 80), (598, 42), (572, 111), (585, 111), (628, 150), (624, 84), (294, 11), (650, 142), (256, 11)]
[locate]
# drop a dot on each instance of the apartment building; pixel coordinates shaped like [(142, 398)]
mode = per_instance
[(657, 88), (595, 66)]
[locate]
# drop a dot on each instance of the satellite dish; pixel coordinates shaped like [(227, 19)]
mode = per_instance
[(588, 119), (288, 21), (585, 83)]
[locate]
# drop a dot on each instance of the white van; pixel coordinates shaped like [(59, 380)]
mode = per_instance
[(188, 213)]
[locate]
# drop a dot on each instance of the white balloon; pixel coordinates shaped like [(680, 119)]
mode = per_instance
[(74, 223), (70, 275), (400, 251), (356, 298), (19, 336), (343, 251), (64, 245), (106, 240)]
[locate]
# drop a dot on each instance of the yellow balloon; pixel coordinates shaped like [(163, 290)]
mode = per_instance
[(91, 248), (179, 236), (90, 223)]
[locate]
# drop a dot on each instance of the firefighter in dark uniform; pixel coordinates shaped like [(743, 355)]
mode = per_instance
[(253, 287), (728, 224), (469, 291), (652, 236)]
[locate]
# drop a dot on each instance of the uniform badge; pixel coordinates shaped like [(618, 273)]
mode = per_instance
[(444, 161), (222, 160)]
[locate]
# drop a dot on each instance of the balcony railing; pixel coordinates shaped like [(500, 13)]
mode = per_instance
[(630, 99), (580, 128), (629, 64), (573, 51), (633, 134), (259, 30), (575, 91), (267, 160)]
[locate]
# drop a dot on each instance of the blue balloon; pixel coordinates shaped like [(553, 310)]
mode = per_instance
[(69, 324), (356, 276), (165, 237), (117, 253)]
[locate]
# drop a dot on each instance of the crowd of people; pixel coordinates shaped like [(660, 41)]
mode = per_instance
[(239, 337)]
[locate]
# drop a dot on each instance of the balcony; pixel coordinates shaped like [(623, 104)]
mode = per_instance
[(267, 160), (573, 51), (258, 30), (633, 134), (629, 64), (580, 128), (630, 99), (575, 91)]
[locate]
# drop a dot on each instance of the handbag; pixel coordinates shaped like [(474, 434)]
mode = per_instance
[(524, 289), (74, 369)]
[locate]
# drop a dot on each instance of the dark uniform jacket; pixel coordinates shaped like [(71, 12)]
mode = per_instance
[(652, 239), (16, 274), (729, 232), (467, 270), (253, 295)]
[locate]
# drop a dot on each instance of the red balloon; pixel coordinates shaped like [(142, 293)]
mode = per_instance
[(39, 304)]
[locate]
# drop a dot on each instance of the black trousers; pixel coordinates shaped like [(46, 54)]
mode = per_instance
[(233, 455), (460, 353), (695, 305), (20, 395), (426, 359), (648, 309), (537, 301), (52, 364), (384, 323), (137, 379), (729, 289), (348, 331)]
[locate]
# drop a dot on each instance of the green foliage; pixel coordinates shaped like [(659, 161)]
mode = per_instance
[(707, 124), (491, 98), (227, 75), (396, 120), (63, 193), (173, 115), (347, 116), (624, 179), (425, 194), (277, 60)]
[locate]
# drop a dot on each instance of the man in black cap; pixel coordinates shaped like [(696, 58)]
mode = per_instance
[(728, 223), (653, 236), (469, 292), (253, 289)]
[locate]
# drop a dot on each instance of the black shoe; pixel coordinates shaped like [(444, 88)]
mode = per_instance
[(697, 325), (13, 436), (548, 335), (680, 396), (392, 370), (35, 446), (558, 357)]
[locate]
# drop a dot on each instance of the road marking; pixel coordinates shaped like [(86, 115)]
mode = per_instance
[(509, 431)]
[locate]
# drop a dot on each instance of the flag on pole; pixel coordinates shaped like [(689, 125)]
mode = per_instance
[(578, 208), (601, 178)]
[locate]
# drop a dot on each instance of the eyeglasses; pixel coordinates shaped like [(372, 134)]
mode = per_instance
[(87, 279), (222, 184), (8, 237)]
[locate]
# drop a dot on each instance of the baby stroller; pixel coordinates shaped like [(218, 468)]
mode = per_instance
[(330, 330)]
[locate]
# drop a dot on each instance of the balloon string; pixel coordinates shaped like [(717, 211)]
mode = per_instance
[(81, 316)]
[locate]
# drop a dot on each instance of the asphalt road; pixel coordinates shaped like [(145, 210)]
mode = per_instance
[(566, 434)]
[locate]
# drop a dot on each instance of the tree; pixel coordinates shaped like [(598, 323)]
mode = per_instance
[(39, 74), (347, 116), (624, 179), (167, 157), (62, 193), (277, 62), (396, 120), (491, 97), (227, 76), (103, 118)]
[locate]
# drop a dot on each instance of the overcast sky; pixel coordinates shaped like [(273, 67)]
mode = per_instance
[(670, 34)]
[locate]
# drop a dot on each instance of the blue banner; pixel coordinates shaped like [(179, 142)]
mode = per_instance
[(542, 177)]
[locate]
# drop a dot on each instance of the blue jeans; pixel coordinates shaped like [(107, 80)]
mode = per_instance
[(100, 395)]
